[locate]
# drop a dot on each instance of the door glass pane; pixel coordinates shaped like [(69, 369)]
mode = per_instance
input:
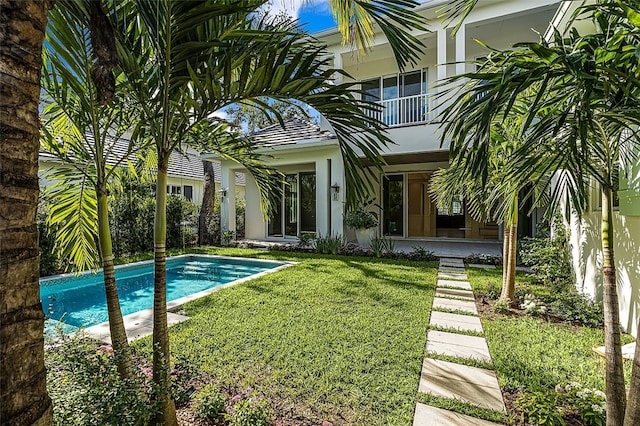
[(291, 205), (390, 87), (307, 202), (392, 189), (275, 219), (411, 84), (372, 89)]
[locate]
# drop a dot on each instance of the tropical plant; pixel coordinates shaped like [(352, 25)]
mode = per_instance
[(83, 118), (360, 217), (584, 114), (498, 197)]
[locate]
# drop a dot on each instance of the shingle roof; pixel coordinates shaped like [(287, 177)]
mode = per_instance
[(185, 165), (296, 131)]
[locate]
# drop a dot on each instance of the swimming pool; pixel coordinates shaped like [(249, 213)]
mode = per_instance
[(75, 301)]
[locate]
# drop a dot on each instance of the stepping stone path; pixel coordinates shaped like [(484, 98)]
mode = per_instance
[(471, 385)]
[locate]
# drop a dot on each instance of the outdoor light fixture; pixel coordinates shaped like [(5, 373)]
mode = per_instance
[(335, 191), (223, 194)]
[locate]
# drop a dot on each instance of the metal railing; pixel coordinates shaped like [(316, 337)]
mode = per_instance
[(403, 111)]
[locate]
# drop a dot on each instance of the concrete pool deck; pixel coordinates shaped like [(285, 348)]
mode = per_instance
[(137, 326)]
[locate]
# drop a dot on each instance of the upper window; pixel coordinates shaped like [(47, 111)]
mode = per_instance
[(403, 96)]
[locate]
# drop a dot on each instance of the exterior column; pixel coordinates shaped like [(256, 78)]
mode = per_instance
[(442, 53), (255, 227), (228, 201), (441, 65), (323, 194), (461, 50), (337, 206)]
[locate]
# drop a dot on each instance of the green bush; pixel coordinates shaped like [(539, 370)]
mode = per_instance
[(329, 244), (249, 412), (541, 408), (50, 263), (577, 308), (86, 389), (547, 256), (360, 217), (209, 402)]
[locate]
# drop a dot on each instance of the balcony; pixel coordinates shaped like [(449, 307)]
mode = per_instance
[(403, 111)]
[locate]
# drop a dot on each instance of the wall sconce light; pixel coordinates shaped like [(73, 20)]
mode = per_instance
[(335, 191), (223, 194)]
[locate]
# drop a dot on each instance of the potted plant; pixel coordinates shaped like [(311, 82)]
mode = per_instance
[(363, 222)]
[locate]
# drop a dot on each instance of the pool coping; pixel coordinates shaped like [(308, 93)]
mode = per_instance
[(144, 318)]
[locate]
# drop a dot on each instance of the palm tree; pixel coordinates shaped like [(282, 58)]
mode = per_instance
[(84, 117), (23, 393), (497, 198), (586, 107)]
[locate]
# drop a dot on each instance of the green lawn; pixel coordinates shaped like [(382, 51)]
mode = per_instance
[(331, 338)]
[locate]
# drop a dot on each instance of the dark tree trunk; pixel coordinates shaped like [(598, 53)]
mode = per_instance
[(23, 393), (205, 237)]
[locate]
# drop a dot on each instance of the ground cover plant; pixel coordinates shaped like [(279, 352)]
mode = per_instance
[(543, 357), (333, 338)]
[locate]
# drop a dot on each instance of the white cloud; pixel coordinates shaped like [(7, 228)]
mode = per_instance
[(292, 7)]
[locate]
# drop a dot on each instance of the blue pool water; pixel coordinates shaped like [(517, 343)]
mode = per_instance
[(79, 301)]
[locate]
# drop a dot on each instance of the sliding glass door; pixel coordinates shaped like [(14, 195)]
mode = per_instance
[(295, 211)]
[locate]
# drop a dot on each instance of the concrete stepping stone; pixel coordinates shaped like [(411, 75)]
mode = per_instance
[(452, 263), (426, 415), (459, 305), (459, 293), (481, 266), (458, 345), (456, 321), (464, 285), (451, 269), (452, 276), (476, 386)]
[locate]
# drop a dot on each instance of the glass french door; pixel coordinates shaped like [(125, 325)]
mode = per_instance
[(295, 211), (393, 205)]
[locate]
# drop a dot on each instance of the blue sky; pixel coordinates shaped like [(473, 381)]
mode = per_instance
[(314, 15)]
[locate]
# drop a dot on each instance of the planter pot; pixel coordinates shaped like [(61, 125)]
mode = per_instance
[(364, 237)]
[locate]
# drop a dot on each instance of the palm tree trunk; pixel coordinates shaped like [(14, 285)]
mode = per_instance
[(23, 393), (116, 324), (505, 253), (509, 268), (208, 201), (615, 389), (632, 414), (161, 355)]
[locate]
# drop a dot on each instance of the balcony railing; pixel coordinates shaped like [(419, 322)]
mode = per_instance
[(403, 111)]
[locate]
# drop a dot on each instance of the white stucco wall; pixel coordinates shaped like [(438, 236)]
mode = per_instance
[(289, 160), (587, 262)]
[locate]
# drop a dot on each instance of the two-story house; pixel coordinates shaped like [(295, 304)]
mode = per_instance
[(310, 157)]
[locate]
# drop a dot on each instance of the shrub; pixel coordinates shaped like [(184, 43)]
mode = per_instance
[(502, 306), (533, 306), (382, 246), (483, 259), (86, 389), (577, 308), (591, 404), (351, 249), (329, 244), (209, 402), (547, 256), (421, 254), (249, 412), (50, 263), (541, 408), (306, 240)]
